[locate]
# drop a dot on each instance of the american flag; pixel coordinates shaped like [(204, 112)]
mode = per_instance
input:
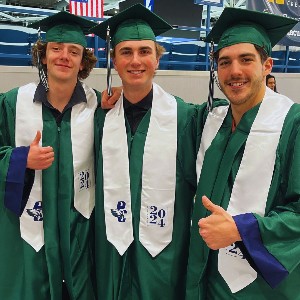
[(87, 8)]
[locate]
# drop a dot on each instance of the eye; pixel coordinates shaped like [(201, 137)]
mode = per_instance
[(145, 51), (125, 52), (223, 63), (247, 59)]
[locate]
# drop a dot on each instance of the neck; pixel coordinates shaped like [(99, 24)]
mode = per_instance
[(135, 95), (60, 93), (239, 109)]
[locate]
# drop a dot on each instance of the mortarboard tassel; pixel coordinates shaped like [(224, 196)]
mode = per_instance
[(109, 77), (210, 98), (212, 79), (42, 75)]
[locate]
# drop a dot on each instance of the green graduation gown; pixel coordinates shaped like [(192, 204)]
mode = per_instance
[(67, 254), (279, 229), (137, 275)]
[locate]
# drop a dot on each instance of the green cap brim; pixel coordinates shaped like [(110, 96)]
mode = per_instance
[(64, 27), (236, 26), (135, 23)]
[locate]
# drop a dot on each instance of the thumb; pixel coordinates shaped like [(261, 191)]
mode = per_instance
[(37, 138), (209, 205)]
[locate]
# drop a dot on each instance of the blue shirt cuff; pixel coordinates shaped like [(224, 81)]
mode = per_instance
[(266, 264), (14, 199)]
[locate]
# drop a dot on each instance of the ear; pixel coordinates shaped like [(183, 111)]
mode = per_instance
[(157, 63), (115, 64), (267, 66), (81, 67), (44, 61)]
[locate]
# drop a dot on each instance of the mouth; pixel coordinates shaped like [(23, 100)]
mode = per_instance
[(237, 85), (136, 72), (62, 66)]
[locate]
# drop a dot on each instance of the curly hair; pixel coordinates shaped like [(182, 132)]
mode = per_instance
[(88, 59)]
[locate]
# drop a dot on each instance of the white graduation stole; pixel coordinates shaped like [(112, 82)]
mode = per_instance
[(82, 133), (82, 136), (158, 176), (260, 150), (28, 121), (212, 125)]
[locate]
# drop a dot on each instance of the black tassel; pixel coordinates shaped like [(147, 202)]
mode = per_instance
[(42, 75), (210, 98), (212, 79), (108, 75)]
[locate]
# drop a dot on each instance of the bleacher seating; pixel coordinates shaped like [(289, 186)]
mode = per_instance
[(15, 50), (294, 62), (185, 56), (15, 47)]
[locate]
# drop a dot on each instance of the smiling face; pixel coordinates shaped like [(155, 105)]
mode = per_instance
[(63, 61), (136, 63), (242, 75)]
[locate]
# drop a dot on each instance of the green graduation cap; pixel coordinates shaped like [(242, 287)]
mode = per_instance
[(64, 27), (236, 26), (135, 23)]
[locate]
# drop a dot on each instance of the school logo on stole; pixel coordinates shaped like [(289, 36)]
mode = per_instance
[(120, 211), (36, 212)]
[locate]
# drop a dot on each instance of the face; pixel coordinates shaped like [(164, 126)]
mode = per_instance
[(63, 61), (271, 83), (242, 75), (136, 63)]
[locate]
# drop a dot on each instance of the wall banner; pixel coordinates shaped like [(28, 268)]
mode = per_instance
[(287, 8)]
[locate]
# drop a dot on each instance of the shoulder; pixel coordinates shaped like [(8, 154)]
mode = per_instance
[(9, 98), (292, 119)]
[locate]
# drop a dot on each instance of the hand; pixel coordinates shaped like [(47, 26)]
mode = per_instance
[(108, 102), (219, 229), (39, 158)]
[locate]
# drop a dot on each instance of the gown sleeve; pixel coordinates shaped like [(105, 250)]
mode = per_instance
[(15, 180)]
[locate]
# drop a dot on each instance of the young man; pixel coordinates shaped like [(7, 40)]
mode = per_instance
[(146, 178), (248, 198), (47, 170)]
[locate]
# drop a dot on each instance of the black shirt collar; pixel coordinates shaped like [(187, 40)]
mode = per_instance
[(144, 104), (77, 97)]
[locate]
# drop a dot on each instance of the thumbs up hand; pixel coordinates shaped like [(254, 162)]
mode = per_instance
[(219, 229), (39, 158)]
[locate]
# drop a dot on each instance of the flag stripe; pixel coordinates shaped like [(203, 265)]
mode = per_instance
[(90, 8)]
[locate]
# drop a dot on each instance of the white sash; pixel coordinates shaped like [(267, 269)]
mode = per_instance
[(259, 154), (116, 182), (158, 178), (212, 125), (82, 136), (28, 121), (31, 221)]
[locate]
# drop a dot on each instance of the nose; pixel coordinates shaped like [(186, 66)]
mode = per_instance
[(235, 68), (64, 54), (135, 59)]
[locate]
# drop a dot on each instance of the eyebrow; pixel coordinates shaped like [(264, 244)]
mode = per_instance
[(241, 56), (140, 48)]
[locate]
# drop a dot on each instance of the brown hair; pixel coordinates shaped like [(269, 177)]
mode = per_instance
[(88, 59), (159, 51), (262, 53)]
